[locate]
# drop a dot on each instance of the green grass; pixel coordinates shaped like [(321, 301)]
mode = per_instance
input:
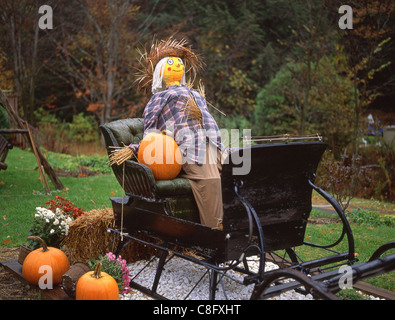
[(21, 192), (367, 239)]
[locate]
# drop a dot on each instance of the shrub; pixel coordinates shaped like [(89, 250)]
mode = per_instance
[(368, 217), (59, 136), (388, 220), (379, 158), (340, 177), (371, 218), (53, 133), (67, 162), (83, 128)]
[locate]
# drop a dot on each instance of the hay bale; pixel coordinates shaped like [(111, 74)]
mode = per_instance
[(88, 238)]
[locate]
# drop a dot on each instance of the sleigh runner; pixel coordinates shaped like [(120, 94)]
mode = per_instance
[(265, 216)]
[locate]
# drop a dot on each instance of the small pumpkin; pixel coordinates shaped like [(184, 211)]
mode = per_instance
[(161, 154), (55, 258), (96, 285)]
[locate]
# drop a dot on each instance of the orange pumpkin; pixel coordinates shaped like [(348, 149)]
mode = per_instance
[(52, 257), (96, 285), (161, 154)]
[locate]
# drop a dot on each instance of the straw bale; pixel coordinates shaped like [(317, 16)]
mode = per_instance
[(88, 238)]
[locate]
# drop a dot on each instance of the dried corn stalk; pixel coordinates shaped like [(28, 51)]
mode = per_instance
[(120, 154), (192, 110)]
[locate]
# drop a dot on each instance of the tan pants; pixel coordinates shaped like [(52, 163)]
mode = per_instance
[(206, 187)]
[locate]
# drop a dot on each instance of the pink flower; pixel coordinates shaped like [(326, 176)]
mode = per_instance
[(110, 256), (125, 271)]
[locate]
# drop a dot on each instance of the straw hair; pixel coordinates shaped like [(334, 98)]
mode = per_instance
[(149, 58)]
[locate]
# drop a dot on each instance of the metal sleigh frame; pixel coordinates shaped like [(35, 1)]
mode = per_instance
[(322, 285), (256, 221)]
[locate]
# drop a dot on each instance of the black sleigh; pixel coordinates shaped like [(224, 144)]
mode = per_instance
[(266, 212)]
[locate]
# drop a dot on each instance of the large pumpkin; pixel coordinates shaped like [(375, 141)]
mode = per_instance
[(48, 259), (96, 285), (160, 152)]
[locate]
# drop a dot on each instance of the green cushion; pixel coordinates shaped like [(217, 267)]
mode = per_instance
[(127, 131), (175, 187), (180, 202), (183, 208), (179, 207)]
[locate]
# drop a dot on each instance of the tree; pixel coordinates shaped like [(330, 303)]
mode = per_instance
[(228, 35), (370, 52), (312, 40), (330, 94), (22, 44), (273, 113), (231, 40), (96, 55)]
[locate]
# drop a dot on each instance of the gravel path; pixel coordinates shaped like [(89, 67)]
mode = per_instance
[(180, 276)]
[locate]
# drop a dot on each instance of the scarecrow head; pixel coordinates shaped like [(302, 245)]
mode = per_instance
[(172, 70), (167, 61)]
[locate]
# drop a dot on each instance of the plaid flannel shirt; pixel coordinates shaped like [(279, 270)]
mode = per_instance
[(166, 111)]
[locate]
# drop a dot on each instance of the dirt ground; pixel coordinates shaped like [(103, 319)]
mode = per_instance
[(10, 287)]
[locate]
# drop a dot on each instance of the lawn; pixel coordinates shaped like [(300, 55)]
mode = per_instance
[(366, 239), (21, 191)]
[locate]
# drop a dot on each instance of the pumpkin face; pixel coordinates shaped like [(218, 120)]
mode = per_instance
[(45, 258), (96, 285), (161, 154), (173, 70)]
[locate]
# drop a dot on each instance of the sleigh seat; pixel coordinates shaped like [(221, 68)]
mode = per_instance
[(173, 197)]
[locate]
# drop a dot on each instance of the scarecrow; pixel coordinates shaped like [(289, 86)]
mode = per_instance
[(182, 111)]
